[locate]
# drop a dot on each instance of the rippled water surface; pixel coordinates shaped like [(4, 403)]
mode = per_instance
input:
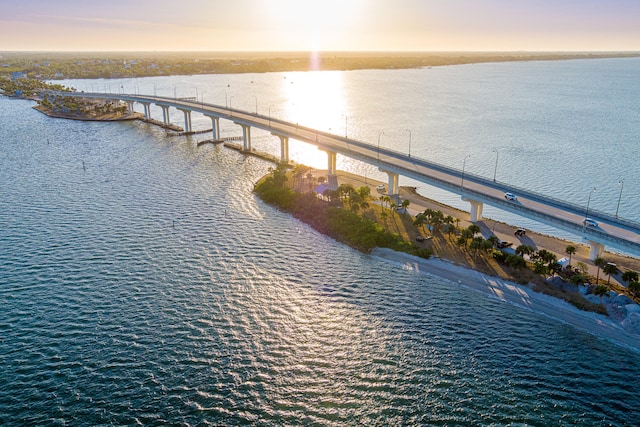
[(141, 282)]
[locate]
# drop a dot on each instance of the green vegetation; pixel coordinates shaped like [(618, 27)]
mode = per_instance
[(335, 214)]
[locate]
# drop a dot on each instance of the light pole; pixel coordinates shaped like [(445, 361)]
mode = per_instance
[(409, 130), (464, 161), (379, 135), (621, 184), (586, 215), (495, 170), (256, 103), (270, 114), (345, 125), (230, 110)]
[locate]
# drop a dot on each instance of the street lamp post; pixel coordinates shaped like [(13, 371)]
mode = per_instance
[(230, 110), (270, 114), (409, 130), (586, 215), (464, 161), (345, 125), (495, 170), (379, 135), (256, 103), (621, 184)]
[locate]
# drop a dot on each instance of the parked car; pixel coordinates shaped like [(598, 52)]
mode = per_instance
[(590, 222), (501, 245), (511, 197), (419, 239), (520, 232), (380, 187)]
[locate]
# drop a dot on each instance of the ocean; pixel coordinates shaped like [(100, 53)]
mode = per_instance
[(141, 281)]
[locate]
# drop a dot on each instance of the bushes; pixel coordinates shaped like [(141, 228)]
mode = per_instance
[(339, 223)]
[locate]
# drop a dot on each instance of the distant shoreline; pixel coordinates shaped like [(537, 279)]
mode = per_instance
[(114, 65)]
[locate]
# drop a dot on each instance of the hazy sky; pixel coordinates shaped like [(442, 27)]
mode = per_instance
[(303, 25)]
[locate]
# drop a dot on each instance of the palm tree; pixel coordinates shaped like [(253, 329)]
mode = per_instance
[(630, 276), (523, 250), (598, 262), (474, 229), (600, 290), (570, 250), (634, 288), (609, 269)]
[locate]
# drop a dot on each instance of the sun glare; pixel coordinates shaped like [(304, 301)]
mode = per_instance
[(321, 24), (316, 100)]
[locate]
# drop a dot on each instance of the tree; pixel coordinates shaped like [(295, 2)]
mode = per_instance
[(634, 288), (598, 262), (405, 203), (630, 276), (570, 250), (515, 261), (609, 269), (523, 250), (474, 229), (493, 239), (582, 267), (600, 290)]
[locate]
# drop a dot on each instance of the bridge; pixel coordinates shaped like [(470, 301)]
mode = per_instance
[(610, 230)]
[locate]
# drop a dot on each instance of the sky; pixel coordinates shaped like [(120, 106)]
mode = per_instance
[(322, 25)]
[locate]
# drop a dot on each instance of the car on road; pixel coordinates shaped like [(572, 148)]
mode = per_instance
[(588, 222), (501, 244), (380, 187), (520, 232), (511, 197)]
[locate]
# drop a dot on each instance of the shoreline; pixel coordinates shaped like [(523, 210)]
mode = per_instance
[(598, 325)]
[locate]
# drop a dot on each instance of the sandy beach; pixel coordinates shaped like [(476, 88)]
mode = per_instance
[(598, 325)]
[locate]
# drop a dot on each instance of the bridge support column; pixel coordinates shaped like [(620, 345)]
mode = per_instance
[(165, 115), (392, 188), (246, 138), (187, 120), (332, 171), (597, 249), (130, 106), (475, 213), (284, 148), (215, 127), (147, 110)]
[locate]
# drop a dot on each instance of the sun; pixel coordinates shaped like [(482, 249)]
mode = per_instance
[(315, 25)]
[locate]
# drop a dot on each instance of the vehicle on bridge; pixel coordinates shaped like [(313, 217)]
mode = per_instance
[(511, 197), (589, 222)]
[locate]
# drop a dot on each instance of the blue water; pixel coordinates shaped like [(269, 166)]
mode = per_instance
[(141, 282)]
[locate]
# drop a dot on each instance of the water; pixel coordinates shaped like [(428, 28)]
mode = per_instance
[(151, 287)]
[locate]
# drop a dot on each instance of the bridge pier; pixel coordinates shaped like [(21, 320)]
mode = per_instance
[(130, 106), (246, 137), (215, 126), (392, 188), (475, 212), (332, 171), (165, 115), (147, 110), (284, 148), (187, 120), (596, 249)]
